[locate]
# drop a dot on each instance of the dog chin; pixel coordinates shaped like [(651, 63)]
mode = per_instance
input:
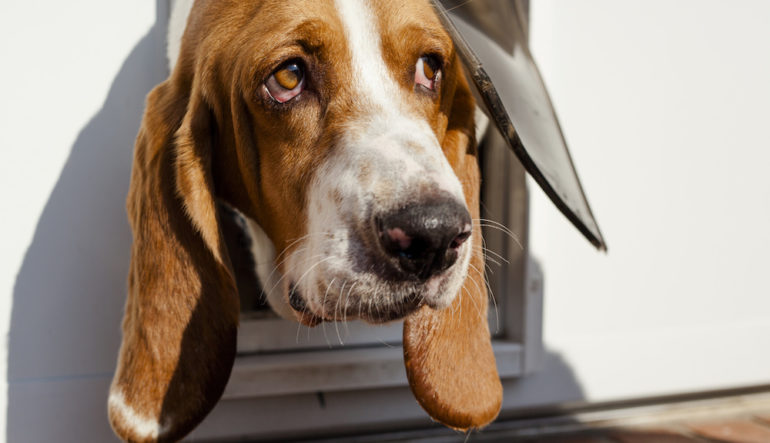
[(377, 303)]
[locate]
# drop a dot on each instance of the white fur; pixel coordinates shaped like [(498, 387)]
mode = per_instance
[(372, 76), (263, 251), (389, 113), (143, 427)]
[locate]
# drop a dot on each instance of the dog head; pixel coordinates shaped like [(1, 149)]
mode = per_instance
[(343, 131)]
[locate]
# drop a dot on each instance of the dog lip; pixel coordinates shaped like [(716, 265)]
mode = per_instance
[(301, 309), (308, 319), (296, 301), (407, 306)]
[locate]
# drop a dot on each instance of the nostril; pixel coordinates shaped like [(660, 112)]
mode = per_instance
[(460, 239)]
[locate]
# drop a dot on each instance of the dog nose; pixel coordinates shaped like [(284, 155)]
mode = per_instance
[(425, 238)]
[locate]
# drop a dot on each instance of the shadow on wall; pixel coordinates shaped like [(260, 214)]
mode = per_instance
[(69, 294)]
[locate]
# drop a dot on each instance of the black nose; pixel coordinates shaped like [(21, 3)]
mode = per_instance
[(424, 238)]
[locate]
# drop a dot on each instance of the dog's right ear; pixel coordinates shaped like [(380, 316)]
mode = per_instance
[(179, 329), (448, 353)]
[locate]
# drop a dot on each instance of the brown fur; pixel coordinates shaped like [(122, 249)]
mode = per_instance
[(209, 132)]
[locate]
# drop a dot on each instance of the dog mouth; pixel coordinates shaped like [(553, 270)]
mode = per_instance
[(297, 302), (373, 302)]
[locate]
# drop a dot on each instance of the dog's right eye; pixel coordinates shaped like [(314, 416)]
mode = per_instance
[(286, 83), (427, 72)]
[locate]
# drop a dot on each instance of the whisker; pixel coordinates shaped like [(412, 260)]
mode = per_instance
[(467, 293), (306, 271), (492, 224), (284, 256), (459, 305), (369, 310), (296, 339), (279, 259), (487, 261), (361, 304), (497, 256), (283, 276), (475, 282), (487, 258), (492, 296), (336, 316), (458, 6), (323, 304), (345, 311)]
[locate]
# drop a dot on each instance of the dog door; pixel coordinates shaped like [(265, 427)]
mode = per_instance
[(514, 96), (354, 355), (300, 369)]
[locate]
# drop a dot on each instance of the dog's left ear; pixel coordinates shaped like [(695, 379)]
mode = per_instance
[(448, 353), (181, 315)]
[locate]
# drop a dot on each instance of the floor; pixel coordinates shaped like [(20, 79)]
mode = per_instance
[(728, 417), (748, 429), (736, 418)]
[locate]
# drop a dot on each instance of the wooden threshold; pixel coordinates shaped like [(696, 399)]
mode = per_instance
[(731, 416)]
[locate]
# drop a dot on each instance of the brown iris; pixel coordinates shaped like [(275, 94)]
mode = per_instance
[(428, 70), (289, 76)]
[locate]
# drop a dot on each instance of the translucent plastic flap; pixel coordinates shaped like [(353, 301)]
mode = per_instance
[(516, 100)]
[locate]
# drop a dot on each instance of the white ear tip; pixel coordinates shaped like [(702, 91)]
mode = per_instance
[(131, 423)]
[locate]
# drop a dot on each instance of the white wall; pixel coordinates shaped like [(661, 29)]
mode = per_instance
[(72, 85), (664, 105)]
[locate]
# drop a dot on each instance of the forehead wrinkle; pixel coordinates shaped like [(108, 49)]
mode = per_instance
[(312, 37), (307, 34), (414, 23), (310, 34), (427, 38), (276, 24)]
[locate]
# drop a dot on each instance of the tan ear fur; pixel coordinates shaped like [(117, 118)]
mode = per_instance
[(181, 315), (448, 354)]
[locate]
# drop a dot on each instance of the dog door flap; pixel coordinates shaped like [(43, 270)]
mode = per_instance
[(515, 98)]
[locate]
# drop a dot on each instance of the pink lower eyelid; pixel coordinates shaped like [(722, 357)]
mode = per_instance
[(419, 75), (282, 95), (428, 84), (285, 96)]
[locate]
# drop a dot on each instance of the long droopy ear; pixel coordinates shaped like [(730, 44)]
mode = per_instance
[(181, 315), (448, 354)]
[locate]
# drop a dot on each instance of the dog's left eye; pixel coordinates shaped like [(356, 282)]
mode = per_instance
[(286, 83), (427, 72)]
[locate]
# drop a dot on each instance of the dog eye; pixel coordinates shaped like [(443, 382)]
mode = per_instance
[(286, 83), (427, 72)]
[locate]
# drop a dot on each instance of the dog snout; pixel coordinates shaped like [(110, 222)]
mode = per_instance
[(423, 239)]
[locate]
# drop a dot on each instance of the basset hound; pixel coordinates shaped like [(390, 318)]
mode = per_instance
[(343, 131)]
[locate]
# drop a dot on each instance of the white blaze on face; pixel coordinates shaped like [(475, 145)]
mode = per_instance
[(387, 157), (393, 137)]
